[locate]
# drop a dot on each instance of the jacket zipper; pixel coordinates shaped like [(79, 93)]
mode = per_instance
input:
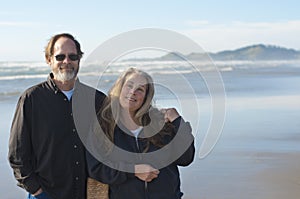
[(146, 184), (146, 190)]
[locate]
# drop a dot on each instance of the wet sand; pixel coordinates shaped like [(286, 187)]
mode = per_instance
[(256, 157)]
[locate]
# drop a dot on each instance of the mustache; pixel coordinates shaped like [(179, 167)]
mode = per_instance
[(66, 66)]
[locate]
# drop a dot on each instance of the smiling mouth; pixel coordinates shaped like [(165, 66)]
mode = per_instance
[(131, 99)]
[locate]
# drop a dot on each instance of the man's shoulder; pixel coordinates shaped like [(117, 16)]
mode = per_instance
[(35, 88), (33, 92)]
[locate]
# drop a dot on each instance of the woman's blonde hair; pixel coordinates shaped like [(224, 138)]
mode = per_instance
[(109, 114)]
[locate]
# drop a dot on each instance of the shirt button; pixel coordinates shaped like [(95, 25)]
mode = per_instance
[(76, 178), (65, 99), (74, 130), (75, 146), (77, 163), (71, 114)]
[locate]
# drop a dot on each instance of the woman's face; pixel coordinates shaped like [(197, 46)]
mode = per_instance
[(133, 92)]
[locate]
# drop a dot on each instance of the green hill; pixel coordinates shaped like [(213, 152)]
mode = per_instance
[(254, 52)]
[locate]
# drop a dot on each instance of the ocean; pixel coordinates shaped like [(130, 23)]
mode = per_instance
[(256, 155), (239, 77)]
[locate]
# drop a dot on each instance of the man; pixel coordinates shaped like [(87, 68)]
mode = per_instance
[(45, 151)]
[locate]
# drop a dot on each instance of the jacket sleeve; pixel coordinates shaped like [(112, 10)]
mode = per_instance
[(184, 132), (20, 149), (103, 173)]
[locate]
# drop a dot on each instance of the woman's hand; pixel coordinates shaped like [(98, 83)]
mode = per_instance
[(145, 172), (170, 114)]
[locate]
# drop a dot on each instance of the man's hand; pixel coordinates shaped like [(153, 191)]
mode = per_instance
[(170, 114), (38, 192)]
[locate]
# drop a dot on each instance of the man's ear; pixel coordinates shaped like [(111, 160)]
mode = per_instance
[(48, 60)]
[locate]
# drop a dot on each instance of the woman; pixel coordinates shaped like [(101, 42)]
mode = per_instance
[(132, 124)]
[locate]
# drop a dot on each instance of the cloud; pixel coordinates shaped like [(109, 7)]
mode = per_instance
[(197, 23), (11, 13), (17, 24), (215, 37)]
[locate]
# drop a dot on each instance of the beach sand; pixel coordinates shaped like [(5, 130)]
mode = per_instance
[(256, 157), (8, 185), (282, 178), (262, 176)]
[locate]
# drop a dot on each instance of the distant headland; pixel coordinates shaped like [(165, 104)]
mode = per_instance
[(253, 53)]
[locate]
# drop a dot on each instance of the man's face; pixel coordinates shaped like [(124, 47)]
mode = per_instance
[(63, 62)]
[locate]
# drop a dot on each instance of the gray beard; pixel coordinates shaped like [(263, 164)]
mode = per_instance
[(65, 76)]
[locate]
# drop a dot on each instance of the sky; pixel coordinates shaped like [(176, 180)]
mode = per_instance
[(26, 26)]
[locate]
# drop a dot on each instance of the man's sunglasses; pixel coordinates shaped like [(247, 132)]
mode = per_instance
[(62, 57)]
